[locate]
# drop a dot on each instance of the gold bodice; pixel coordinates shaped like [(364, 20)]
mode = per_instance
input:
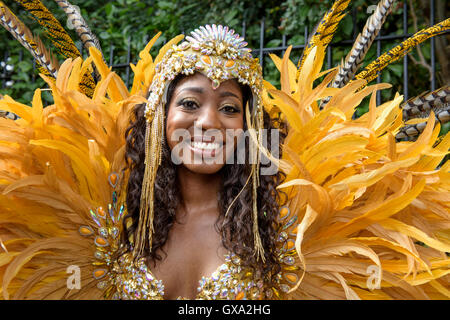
[(122, 278), (229, 281)]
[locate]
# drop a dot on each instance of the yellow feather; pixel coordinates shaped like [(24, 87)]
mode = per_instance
[(23, 111), (6, 257), (435, 284), (415, 233), (116, 90), (144, 69), (289, 107), (397, 202), (14, 268), (376, 241), (308, 219), (75, 75), (84, 173)]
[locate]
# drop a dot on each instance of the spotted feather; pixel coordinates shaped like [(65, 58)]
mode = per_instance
[(373, 69), (325, 30)]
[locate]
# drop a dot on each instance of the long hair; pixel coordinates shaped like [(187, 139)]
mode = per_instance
[(236, 227)]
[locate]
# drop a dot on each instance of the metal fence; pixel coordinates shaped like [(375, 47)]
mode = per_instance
[(124, 67)]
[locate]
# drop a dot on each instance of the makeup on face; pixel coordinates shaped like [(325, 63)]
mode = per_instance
[(205, 114)]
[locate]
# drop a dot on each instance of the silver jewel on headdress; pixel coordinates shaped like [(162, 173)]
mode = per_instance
[(219, 40)]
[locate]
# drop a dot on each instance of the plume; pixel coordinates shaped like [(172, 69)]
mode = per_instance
[(81, 27), (420, 107), (53, 29), (48, 65), (371, 71), (325, 29), (355, 57)]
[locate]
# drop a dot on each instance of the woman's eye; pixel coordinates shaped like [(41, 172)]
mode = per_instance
[(230, 109), (188, 104)]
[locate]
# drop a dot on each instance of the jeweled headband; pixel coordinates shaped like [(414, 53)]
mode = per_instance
[(220, 54), (215, 51)]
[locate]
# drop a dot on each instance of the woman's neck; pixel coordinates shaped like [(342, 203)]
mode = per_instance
[(199, 192)]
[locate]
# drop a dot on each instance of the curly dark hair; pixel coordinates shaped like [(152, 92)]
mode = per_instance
[(236, 227)]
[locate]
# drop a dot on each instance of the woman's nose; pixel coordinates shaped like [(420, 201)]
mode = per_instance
[(208, 118)]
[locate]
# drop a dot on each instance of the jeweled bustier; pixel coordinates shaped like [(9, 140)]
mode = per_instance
[(121, 278), (229, 281)]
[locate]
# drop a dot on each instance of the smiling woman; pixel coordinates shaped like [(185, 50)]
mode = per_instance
[(192, 194), (100, 184)]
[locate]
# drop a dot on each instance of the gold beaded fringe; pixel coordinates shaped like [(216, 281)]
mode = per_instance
[(256, 136), (259, 249), (153, 153)]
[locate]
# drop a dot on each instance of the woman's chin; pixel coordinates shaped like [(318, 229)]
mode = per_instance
[(203, 168)]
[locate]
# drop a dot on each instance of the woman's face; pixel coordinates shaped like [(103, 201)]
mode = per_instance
[(202, 117)]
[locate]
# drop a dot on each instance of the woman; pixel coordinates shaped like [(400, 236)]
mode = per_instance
[(192, 198), (207, 195), (353, 206)]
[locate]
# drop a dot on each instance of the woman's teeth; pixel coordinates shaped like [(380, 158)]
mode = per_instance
[(204, 145)]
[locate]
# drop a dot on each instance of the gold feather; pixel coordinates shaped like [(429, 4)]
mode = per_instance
[(325, 29), (361, 200), (52, 27), (50, 160), (48, 65), (373, 69), (61, 149)]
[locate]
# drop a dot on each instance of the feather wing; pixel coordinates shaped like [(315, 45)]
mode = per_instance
[(358, 207), (61, 185)]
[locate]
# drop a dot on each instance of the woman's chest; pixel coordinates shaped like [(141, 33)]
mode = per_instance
[(185, 263), (193, 265), (230, 281)]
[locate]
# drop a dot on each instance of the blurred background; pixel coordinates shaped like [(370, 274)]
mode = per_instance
[(124, 27)]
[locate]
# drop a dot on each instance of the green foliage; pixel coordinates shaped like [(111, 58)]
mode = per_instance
[(131, 22)]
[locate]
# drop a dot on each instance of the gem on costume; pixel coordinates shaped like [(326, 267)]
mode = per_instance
[(101, 242), (94, 217), (284, 212), (99, 273), (85, 231), (101, 213), (103, 232), (292, 278), (112, 179)]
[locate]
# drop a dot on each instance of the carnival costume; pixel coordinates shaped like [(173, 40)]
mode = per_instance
[(359, 201)]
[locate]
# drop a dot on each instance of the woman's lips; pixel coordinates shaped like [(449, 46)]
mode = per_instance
[(205, 149)]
